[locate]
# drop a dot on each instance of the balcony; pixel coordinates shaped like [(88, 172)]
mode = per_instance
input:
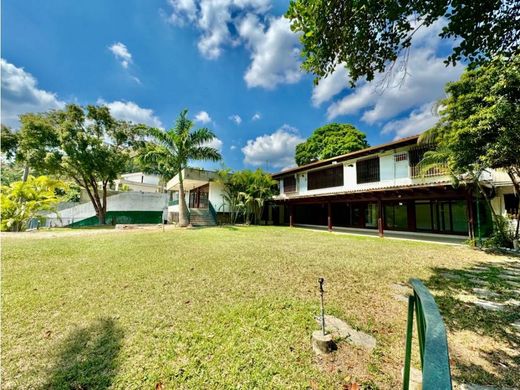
[(418, 173)]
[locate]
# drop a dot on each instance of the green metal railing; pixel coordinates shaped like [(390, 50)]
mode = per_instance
[(433, 344), (212, 211)]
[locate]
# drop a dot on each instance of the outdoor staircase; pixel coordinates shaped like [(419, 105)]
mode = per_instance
[(202, 217)]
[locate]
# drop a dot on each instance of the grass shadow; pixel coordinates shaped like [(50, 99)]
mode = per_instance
[(87, 357), (455, 293)]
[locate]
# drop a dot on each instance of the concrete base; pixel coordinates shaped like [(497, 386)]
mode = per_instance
[(322, 344)]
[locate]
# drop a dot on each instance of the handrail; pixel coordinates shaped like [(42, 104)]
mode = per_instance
[(212, 211), (433, 344)]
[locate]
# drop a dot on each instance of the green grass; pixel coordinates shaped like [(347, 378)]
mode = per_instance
[(216, 308)]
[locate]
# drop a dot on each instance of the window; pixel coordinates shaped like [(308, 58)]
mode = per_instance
[(511, 204), (289, 184), (367, 170), (400, 157), (325, 178), (371, 212), (396, 216)]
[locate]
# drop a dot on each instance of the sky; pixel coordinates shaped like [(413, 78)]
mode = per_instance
[(234, 64)]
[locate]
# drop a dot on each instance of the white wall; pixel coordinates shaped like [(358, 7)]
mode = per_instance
[(126, 201), (215, 197)]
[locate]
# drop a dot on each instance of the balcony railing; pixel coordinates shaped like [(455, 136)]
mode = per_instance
[(418, 172)]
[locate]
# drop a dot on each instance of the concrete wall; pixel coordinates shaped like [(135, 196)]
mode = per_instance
[(126, 201)]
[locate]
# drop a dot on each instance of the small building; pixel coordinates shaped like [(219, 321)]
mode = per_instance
[(139, 181), (203, 195), (383, 188)]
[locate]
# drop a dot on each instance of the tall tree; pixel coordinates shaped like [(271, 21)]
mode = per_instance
[(329, 141), (85, 144), (479, 126), (171, 150), (368, 35)]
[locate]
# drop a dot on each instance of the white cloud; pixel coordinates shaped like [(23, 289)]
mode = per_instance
[(214, 143), (232, 147), (236, 118), (274, 150), (273, 47), (275, 53), (215, 19), (121, 53), (130, 111), (203, 117), (20, 94), (330, 86), (256, 117), (416, 122), (417, 80), (424, 82)]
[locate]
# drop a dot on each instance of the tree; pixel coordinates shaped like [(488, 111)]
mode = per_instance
[(246, 192), (23, 201), (366, 36), (171, 150), (330, 141), (479, 126), (9, 142), (86, 145)]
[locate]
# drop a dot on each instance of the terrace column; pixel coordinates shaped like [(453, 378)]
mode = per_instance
[(380, 222), (329, 217), (291, 216)]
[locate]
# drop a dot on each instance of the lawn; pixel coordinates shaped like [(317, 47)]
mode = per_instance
[(229, 307)]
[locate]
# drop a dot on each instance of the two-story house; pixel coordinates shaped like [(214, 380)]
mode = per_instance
[(382, 187)]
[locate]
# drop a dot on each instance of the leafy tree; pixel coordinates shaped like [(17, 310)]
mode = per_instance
[(479, 126), (368, 35), (85, 144), (22, 201), (169, 152), (329, 141), (246, 192), (9, 142)]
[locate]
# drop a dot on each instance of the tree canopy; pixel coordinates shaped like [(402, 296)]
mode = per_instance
[(329, 141), (168, 153), (86, 145), (245, 193), (366, 36), (23, 201), (9, 142), (479, 126)]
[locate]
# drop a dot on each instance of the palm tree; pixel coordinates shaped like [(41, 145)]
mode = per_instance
[(170, 151)]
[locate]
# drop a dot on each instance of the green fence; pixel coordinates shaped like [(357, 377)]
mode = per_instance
[(123, 217)]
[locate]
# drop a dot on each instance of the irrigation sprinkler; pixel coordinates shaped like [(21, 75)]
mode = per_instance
[(321, 281)]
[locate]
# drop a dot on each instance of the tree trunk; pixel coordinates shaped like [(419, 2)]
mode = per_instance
[(103, 213), (183, 209), (516, 186), (25, 173)]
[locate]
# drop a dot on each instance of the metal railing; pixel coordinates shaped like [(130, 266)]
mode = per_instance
[(418, 172), (433, 344), (212, 211)]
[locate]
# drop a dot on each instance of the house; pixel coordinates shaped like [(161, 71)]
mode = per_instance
[(203, 195), (383, 188), (138, 181)]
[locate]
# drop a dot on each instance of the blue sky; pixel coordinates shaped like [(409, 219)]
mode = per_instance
[(233, 63)]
